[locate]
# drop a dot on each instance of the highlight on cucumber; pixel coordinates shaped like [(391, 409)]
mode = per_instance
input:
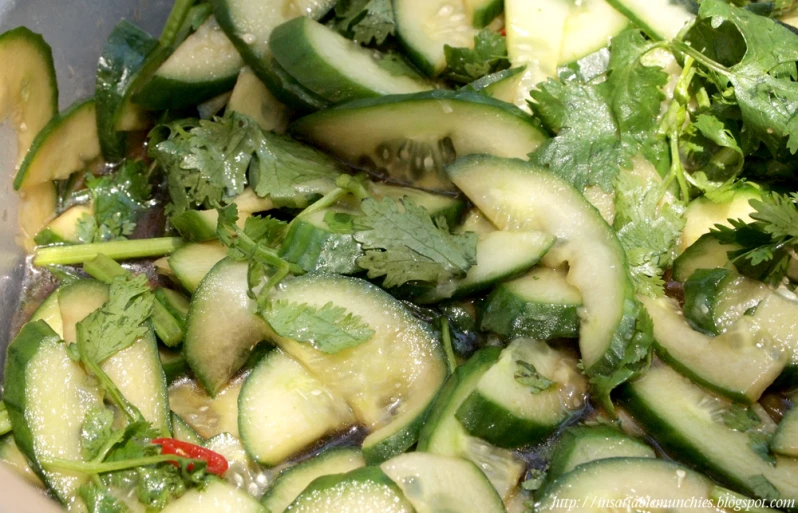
[(369, 256)]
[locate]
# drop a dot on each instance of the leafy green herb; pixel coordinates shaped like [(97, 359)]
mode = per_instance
[(763, 488), (95, 432), (99, 499), (365, 21), (489, 55), (528, 376), (339, 222), (329, 329), (759, 442), (741, 418), (405, 244), (768, 242)]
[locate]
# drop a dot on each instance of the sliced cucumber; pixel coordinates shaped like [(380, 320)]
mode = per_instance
[(283, 409), (78, 299), (175, 303), (200, 225), (705, 253), (660, 19), (590, 26), (503, 411), (701, 292), (426, 132), (315, 246), (29, 90), (191, 262), (736, 295), (389, 381), (253, 99), (218, 497), (484, 11), (611, 481), (500, 255), (293, 480), (183, 432), (540, 305), (364, 490), (442, 483), (13, 457), (578, 445), (50, 312), (702, 214), (333, 66), (739, 364), (64, 228), (222, 327), (63, 146), (173, 363), (205, 65), (501, 85), (785, 441), (688, 422), (516, 196), (443, 434), (242, 472), (37, 207), (778, 315), (208, 416), (48, 397), (126, 52), (438, 205), (424, 27)]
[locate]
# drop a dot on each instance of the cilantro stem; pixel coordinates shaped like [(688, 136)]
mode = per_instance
[(115, 438), (117, 250), (91, 467), (131, 412), (686, 49), (451, 360), (677, 170)]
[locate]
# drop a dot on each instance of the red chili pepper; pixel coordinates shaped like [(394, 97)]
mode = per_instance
[(217, 464), (503, 32)]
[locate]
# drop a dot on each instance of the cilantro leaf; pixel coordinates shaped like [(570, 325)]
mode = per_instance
[(740, 418), (365, 20), (329, 329), (119, 322), (759, 442), (763, 488), (489, 55), (118, 199), (95, 432), (99, 499), (528, 376), (404, 244)]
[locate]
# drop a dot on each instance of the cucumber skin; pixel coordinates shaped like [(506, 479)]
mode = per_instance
[(161, 93), (21, 350), (315, 249), (396, 444), (683, 267), (484, 16), (124, 55), (512, 317), (701, 292), (491, 422), (363, 474)]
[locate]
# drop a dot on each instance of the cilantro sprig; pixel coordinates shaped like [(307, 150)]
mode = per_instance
[(489, 55)]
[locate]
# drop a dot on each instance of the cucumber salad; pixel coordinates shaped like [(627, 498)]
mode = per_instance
[(411, 256)]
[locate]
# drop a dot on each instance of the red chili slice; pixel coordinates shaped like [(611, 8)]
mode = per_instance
[(217, 464)]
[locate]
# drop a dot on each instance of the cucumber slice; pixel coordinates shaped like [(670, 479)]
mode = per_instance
[(506, 413), (64, 228), (208, 416), (701, 296), (500, 255), (660, 19), (50, 312), (501, 85), (411, 138), (540, 305), (739, 364), (705, 253), (11, 455), (200, 225), (702, 215), (48, 396), (37, 207), (578, 445), (736, 296), (242, 472), (283, 409), (333, 66), (438, 205), (441, 483), (778, 315), (515, 196), (389, 381), (688, 422), (126, 52), (222, 327), (175, 303), (312, 244), (76, 300), (191, 262), (173, 363), (443, 434), (293, 480), (218, 497), (29, 90), (590, 26), (785, 441), (205, 65), (595, 484), (364, 490), (424, 27), (253, 99), (65, 145), (484, 11), (183, 432)]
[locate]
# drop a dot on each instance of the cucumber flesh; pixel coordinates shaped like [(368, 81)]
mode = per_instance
[(426, 132), (540, 305), (785, 441), (483, 12), (442, 483), (705, 253), (702, 215), (183, 432), (48, 397), (29, 91), (283, 409), (242, 472), (293, 480), (222, 327), (688, 422), (660, 19), (64, 228), (438, 205), (778, 315), (506, 413), (590, 26), (253, 99), (200, 225), (516, 196), (191, 262), (315, 246), (218, 497), (208, 416), (37, 207), (65, 145), (13, 457), (50, 312), (582, 444)]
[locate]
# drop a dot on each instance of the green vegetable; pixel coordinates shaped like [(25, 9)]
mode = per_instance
[(527, 375), (118, 250), (741, 418), (365, 21), (405, 244), (489, 55)]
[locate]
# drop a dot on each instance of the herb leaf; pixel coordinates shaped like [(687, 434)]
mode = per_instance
[(764, 488), (329, 329), (528, 376), (489, 55), (740, 418), (365, 20)]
